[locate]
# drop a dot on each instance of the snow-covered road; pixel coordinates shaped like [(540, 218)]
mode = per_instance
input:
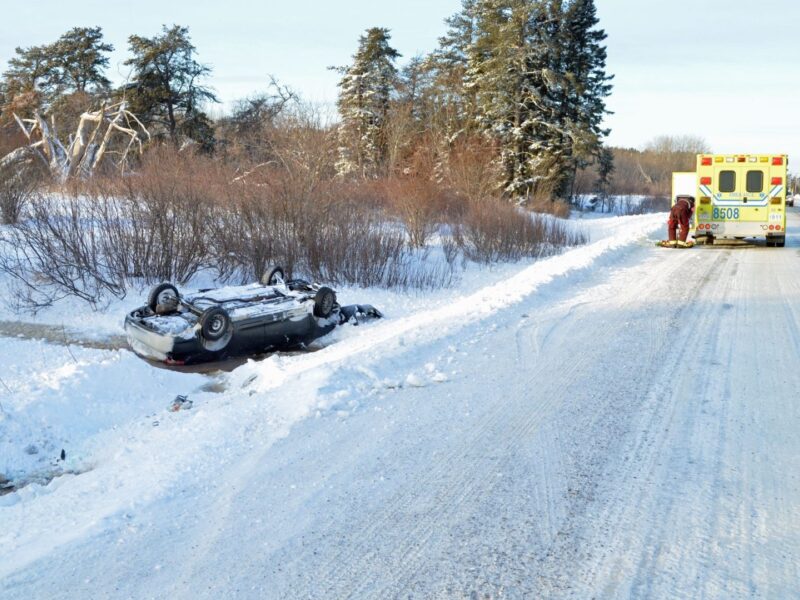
[(627, 427)]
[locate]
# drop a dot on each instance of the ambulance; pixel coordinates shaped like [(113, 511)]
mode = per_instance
[(737, 196)]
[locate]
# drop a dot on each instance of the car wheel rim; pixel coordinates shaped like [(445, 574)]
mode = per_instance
[(216, 325), (166, 297)]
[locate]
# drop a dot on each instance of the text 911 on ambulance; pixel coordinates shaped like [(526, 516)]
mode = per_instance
[(737, 196)]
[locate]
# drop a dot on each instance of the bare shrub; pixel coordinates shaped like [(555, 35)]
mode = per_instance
[(18, 182), (585, 182), (473, 169), (419, 203), (450, 249), (329, 237), (160, 216), (59, 251), (495, 231), (556, 208), (647, 171), (110, 234), (180, 213), (357, 246), (653, 204), (630, 205)]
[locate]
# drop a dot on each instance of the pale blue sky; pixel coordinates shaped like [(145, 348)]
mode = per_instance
[(726, 70)]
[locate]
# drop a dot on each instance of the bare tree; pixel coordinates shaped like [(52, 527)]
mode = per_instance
[(84, 150)]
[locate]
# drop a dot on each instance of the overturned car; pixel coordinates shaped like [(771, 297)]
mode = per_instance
[(214, 324)]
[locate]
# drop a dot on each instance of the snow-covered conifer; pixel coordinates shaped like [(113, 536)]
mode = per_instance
[(365, 92), (589, 84)]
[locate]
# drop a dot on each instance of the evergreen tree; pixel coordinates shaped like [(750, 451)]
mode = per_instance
[(414, 86), (533, 81), (79, 59), (40, 77), (605, 168), (365, 91), (512, 66), (589, 85), (29, 73), (166, 90), (452, 101), (454, 97)]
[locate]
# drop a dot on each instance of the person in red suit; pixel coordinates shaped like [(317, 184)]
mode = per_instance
[(680, 214)]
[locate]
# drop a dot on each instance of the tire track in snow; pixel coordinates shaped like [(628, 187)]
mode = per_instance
[(634, 297), (689, 514), (561, 565), (455, 486), (60, 336), (655, 544)]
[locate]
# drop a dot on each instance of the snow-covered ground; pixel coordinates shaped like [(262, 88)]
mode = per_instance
[(614, 421), (60, 396)]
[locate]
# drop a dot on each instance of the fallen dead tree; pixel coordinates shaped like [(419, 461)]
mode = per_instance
[(111, 130)]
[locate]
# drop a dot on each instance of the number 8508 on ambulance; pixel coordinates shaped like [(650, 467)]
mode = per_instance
[(737, 196)]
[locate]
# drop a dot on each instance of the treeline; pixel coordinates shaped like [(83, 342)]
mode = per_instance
[(524, 80), (515, 89), (61, 80), (645, 172)]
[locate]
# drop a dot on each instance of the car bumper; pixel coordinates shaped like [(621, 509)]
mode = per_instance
[(163, 346), (735, 229), (250, 336)]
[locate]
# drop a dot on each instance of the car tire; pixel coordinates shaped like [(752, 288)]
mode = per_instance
[(770, 242), (324, 302), (780, 242), (273, 276), (215, 323), (162, 294)]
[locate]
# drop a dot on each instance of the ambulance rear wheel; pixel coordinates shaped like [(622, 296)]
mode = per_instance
[(780, 242), (770, 243)]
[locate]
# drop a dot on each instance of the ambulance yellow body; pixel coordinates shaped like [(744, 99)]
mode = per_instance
[(737, 196)]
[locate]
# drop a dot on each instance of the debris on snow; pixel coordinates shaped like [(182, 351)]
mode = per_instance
[(180, 403)]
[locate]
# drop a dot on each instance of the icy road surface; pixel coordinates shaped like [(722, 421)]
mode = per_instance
[(620, 421)]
